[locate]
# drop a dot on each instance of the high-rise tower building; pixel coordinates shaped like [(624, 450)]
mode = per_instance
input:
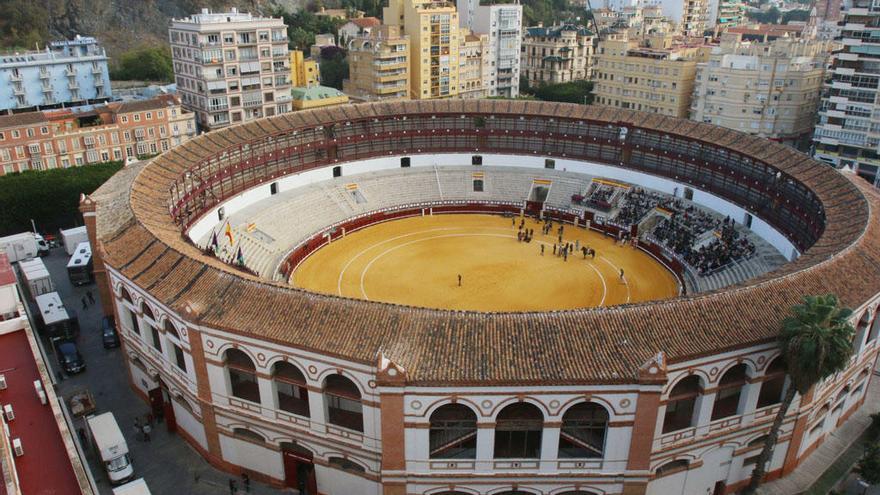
[(432, 28), (503, 24), (848, 132), (231, 67)]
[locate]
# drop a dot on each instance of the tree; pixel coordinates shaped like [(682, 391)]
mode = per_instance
[(149, 63), (816, 342), (570, 92), (795, 15), (869, 465), (771, 16), (333, 71), (50, 198)]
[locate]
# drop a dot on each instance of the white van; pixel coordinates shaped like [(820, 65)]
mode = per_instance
[(110, 444)]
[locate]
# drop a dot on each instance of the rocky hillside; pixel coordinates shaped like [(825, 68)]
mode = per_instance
[(120, 24)]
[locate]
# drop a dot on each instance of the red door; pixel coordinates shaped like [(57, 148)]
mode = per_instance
[(299, 471), (156, 402), (168, 411)]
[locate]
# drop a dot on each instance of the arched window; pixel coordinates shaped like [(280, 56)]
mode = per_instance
[(126, 296), (672, 467), (861, 330), (242, 375), (346, 465), (290, 389), (753, 444), (247, 434), (453, 432), (584, 427), (820, 422), (343, 400), (518, 429), (875, 325), (729, 390), (170, 329), (680, 406), (773, 385), (148, 313)]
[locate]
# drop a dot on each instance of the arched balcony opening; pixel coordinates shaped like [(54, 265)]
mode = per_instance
[(343, 401), (681, 404), (171, 330), (453, 433), (518, 429), (583, 432), (147, 312), (290, 389), (773, 385), (861, 331), (875, 325), (727, 397), (126, 296), (242, 375), (753, 445)]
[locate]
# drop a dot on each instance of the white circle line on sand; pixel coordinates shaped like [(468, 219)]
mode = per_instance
[(391, 249), (604, 286), (617, 270), (368, 248), (359, 254)]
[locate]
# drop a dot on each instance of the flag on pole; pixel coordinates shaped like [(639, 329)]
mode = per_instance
[(214, 243), (240, 257), (229, 233)]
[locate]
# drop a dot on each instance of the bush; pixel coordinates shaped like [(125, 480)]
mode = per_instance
[(144, 64), (869, 465), (50, 198)]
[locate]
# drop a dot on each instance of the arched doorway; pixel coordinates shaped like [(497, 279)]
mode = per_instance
[(299, 468)]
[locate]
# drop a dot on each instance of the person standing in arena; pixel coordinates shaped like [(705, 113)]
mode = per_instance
[(459, 280), (542, 249)]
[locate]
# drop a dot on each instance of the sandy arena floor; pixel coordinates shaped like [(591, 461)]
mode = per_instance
[(416, 261)]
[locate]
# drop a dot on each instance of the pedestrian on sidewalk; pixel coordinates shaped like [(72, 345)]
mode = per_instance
[(246, 481), (137, 429), (233, 486), (85, 303), (90, 296), (147, 429)]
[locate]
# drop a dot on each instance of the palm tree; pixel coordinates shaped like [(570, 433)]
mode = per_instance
[(816, 342)]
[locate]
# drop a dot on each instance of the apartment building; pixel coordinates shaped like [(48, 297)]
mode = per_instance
[(474, 65), (653, 74), (45, 140), (378, 64), (432, 27), (691, 15), (231, 67), (557, 54), (769, 89), (303, 71), (69, 72), (357, 27), (503, 25), (723, 14), (636, 20), (316, 97), (848, 132)]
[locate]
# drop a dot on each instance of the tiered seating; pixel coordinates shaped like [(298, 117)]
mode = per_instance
[(281, 225)]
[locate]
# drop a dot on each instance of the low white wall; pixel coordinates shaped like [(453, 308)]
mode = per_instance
[(252, 456), (188, 423), (721, 206), (336, 481)]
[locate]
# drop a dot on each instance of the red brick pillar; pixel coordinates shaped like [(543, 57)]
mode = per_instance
[(87, 206), (652, 375), (391, 378), (204, 393), (797, 435)]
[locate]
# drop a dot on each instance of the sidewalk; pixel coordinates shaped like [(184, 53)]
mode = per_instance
[(835, 445)]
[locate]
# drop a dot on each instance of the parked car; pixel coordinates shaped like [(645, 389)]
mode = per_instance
[(69, 358), (109, 335)]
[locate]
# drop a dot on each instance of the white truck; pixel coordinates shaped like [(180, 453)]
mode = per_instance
[(23, 246), (108, 441), (36, 277), (72, 237), (136, 487)]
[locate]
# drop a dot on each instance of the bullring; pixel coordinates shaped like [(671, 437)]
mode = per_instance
[(352, 396)]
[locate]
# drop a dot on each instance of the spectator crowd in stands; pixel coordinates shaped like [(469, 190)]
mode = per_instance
[(684, 228)]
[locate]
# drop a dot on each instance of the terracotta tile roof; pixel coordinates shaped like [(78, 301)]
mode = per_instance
[(22, 119), (366, 22), (156, 103), (139, 239)]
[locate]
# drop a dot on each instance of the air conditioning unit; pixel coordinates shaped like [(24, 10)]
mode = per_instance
[(38, 386), (43, 399), (7, 411), (3, 382), (16, 446)]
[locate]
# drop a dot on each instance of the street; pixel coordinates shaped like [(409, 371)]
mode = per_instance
[(167, 463)]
